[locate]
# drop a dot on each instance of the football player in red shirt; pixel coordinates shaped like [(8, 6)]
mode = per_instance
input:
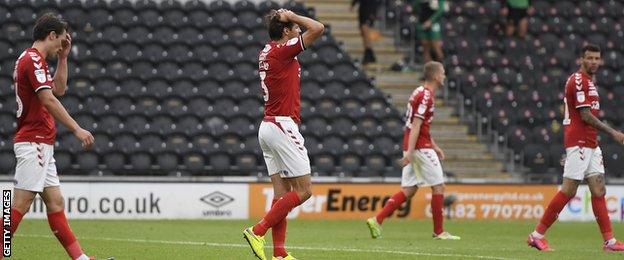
[(583, 155), (282, 145), (421, 156), (37, 105)]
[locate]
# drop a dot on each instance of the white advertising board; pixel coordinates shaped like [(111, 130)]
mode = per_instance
[(96, 200), (580, 207)]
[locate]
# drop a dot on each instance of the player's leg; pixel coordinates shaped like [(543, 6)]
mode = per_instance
[(568, 190), (58, 222), (22, 199), (596, 182), (29, 179), (286, 146), (265, 135), (278, 232), (433, 176), (397, 199), (574, 170), (437, 203), (301, 190)]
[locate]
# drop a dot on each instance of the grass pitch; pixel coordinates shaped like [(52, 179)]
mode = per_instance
[(402, 239)]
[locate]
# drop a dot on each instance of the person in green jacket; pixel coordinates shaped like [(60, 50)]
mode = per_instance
[(516, 12), (429, 29)]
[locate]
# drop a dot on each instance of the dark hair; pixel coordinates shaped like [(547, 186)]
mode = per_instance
[(276, 28), (46, 24), (591, 48)]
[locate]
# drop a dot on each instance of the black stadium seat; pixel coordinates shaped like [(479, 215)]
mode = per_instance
[(167, 87)]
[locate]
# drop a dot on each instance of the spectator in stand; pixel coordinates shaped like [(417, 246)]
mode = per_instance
[(367, 14), (516, 12), (429, 29)]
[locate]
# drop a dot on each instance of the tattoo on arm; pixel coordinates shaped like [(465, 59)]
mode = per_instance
[(590, 119)]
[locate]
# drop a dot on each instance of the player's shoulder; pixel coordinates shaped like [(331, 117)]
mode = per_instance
[(31, 57), (577, 80)]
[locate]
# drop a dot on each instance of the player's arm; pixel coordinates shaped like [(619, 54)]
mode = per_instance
[(314, 29), (59, 113), (590, 119), (60, 76), (411, 141)]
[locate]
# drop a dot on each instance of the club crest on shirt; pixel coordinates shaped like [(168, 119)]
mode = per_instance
[(580, 96), (40, 75), (422, 108)]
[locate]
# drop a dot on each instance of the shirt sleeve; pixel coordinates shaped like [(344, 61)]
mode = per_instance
[(290, 49), (420, 106), (581, 95), (37, 75)]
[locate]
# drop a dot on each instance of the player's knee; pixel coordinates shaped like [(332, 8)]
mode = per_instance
[(23, 205), (598, 192), (569, 192), (56, 204), (304, 194), (410, 192), (438, 189)]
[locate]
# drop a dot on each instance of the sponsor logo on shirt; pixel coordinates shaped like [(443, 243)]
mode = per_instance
[(593, 93), (595, 105), (292, 41)]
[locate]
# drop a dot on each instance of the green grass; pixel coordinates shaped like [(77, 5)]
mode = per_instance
[(402, 239)]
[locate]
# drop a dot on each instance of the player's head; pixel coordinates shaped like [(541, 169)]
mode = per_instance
[(434, 73), (279, 30), (590, 58), (50, 30)]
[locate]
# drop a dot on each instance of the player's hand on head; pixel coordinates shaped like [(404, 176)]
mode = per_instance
[(66, 47), (85, 137), (284, 15)]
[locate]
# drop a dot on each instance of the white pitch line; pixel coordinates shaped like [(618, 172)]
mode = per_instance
[(337, 249)]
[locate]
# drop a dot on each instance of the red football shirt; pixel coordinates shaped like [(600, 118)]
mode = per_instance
[(580, 91), (34, 122), (421, 105), (280, 76)]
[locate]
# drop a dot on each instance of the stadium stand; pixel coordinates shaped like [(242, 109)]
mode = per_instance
[(171, 88), (516, 86)]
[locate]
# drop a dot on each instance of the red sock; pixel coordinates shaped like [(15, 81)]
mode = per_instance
[(437, 202), (277, 213), (552, 212), (393, 204), (278, 232), (599, 205), (62, 231), (16, 218)]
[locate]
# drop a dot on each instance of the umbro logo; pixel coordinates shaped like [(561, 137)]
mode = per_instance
[(217, 199)]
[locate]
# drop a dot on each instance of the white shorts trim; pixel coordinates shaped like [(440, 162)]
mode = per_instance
[(35, 168), (424, 171), (584, 162), (283, 148)]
